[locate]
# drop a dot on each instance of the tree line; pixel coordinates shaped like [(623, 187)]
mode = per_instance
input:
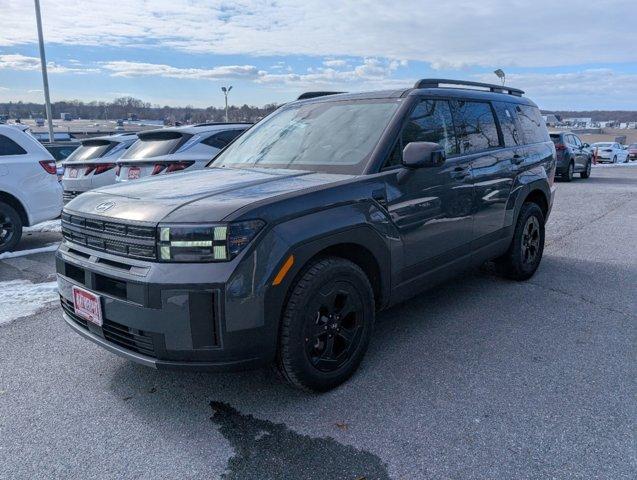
[(124, 107)]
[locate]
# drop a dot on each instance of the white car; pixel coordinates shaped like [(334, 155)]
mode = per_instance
[(177, 149), (93, 164), (29, 189), (612, 152)]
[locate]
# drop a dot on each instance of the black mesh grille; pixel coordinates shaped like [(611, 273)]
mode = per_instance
[(69, 195), (135, 241)]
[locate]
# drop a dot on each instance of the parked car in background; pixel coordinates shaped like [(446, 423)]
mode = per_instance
[(329, 209), (573, 155), (610, 152), (60, 151), (93, 164), (176, 149), (29, 189), (632, 151)]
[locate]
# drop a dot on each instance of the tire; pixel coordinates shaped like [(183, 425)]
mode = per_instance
[(10, 228), (331, 301), (568, 176), (587, 172), (520, 262), (615, 159)]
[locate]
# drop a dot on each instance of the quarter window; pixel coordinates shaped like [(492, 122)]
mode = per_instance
[(9, 147), (431, 122), (475, 126), (532, 123)]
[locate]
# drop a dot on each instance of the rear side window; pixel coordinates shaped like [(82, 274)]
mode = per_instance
[(221, 139), (475, 126), (9, 147), (508, 123), (532, 124), (556, 139), (431, 122), (155, 144)]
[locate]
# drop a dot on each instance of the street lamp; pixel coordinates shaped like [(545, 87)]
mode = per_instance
[(45, 78), (500, 73), (226, 91)]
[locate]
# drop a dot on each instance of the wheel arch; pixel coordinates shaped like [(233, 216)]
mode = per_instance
[(12, 201)]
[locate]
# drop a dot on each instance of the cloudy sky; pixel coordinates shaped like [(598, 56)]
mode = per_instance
[(566, 54)]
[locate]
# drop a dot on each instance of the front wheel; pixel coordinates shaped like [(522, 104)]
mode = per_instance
[(615, 159), (586, 173), (326, 326), (527, 246), (10, 228)]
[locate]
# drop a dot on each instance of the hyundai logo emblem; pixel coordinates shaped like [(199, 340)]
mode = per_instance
[(104, 206)]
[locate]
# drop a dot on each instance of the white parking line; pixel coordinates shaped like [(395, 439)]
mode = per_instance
[(21, 253), (21, 298)]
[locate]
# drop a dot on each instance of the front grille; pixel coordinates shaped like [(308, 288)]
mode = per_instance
[(121, 335), (135, 241), (69, 195)]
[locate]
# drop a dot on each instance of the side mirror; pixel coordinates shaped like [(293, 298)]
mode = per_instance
[(423, 154), (586, 145)]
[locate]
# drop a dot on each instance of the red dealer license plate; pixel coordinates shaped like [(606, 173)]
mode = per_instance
[(73, 173), (133, 173), (87, 305)]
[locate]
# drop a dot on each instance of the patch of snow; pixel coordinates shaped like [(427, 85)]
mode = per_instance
[(50, 226), (21, 298), (21, 253), (615, 165)]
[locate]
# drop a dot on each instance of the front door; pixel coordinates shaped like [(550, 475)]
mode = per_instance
[(431, 207)]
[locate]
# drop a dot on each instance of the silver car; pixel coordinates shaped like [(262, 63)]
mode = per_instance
[(176, 149), (93, 163)]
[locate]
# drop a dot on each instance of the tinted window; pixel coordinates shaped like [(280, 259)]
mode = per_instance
[(576, 141), (475, 126), (556, 139), (153, 145), (431, 122), (9, 147), (325, 136), (221, 139), (508, 124), (532, 124)]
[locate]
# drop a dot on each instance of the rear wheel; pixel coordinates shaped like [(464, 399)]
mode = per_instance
[(326, 325), (587, 172), (526, 249), (10, 228)]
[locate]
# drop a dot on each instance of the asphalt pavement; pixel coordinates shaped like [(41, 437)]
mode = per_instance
[(479, 378)]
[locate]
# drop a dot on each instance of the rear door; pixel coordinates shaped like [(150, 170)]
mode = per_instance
[(431, 207), (581, 156)]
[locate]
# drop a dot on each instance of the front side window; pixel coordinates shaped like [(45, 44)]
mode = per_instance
[(532, 123), (508, 124), (431, 122), (327, 136), (475, 126), (9, 147)]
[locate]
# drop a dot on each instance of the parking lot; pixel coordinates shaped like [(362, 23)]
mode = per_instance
[(478, 378)]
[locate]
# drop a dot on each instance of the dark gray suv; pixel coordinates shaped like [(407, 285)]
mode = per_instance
[(328, 210)]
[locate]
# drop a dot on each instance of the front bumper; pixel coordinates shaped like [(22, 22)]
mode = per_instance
[(177, 316)]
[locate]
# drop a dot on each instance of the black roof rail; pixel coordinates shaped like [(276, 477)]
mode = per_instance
[(306, 95), (437, 82)]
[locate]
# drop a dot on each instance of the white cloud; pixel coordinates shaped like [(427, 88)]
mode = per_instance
[(334, 63), (124, 68), (451, 34), (17, 62)]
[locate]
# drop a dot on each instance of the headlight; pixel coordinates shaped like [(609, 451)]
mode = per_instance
[(205, 243)]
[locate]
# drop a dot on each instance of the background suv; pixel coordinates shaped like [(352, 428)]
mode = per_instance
[(169, 150), (326, 211), (573, 156), (93, 163), (632, 151), (29, 189)]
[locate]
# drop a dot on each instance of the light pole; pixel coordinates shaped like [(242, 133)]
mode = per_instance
[(501, 75), (45, 78), (226, 91)]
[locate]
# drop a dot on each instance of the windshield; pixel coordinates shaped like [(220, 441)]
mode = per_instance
[(333, 137)]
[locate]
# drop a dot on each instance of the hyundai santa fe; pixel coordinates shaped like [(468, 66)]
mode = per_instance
[(328, 210)]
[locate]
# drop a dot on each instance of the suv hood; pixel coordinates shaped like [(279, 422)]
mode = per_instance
[(206, 195)]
